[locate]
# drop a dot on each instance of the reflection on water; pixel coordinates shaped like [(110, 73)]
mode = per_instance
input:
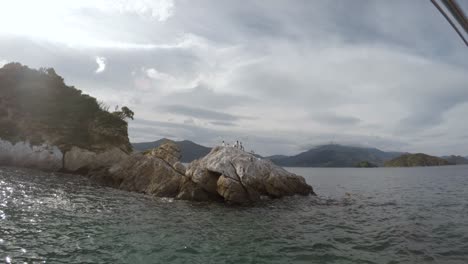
[(360, 216)]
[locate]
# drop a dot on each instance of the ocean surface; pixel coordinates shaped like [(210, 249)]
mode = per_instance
[(378, 215)]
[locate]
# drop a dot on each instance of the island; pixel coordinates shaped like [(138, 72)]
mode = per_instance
[(416, 160), (335, 155)]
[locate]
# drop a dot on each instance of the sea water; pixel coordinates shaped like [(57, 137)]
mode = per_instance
[(375, 215)]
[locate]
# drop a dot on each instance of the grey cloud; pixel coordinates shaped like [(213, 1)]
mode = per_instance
[(189, 121), (222, 123), (420, 121), (274, 87), (335, 120), (197, 112), (204, 96), (397, 64), (429, 111)]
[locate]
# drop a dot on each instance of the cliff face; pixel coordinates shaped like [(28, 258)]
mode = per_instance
[(416, 160), (40, 114)]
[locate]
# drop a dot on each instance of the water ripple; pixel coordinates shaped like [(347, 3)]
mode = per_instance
[(388, 218)]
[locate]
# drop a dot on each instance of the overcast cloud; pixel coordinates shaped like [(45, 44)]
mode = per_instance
[(280, 75)]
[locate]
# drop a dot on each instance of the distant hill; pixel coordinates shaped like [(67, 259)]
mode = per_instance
[(336, 156), (190, 150), (275, 157), (456, 160), (365, 164), (416, 160)]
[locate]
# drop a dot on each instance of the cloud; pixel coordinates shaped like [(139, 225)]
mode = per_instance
[(156, 75), (282, 75), (335, 120), (189, 121), (101, 62), (159, 9), (201, 113), (203, 95), (87, 24), (3, 62), (186, 41), (222, 123)]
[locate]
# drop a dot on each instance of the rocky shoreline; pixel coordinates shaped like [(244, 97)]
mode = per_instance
[(226, 174), (48, 125)]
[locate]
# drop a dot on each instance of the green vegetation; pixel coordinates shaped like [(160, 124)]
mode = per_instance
[(365, 164), (37, 105), (416, 160)]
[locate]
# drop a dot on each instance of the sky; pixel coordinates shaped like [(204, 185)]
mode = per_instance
[(281, 76)]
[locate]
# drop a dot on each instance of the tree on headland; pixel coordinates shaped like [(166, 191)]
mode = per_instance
[(124, 113), (103, 106)]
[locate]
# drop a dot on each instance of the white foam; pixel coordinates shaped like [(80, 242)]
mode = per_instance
[(22, 154)]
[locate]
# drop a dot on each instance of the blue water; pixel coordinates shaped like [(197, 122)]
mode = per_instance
[(381, 215)]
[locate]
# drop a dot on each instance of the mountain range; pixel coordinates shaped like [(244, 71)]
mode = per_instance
[(456, 160), (331, 155), (334, 155)]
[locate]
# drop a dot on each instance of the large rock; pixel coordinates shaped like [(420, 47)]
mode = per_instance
[(157, 172), (225, 174), (169, 152), (240, 177), (83, 160)]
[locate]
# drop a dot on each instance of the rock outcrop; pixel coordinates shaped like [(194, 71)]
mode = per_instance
[(240, 177), (157, 172), (190, 150), (83, 160), (225, 174)]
